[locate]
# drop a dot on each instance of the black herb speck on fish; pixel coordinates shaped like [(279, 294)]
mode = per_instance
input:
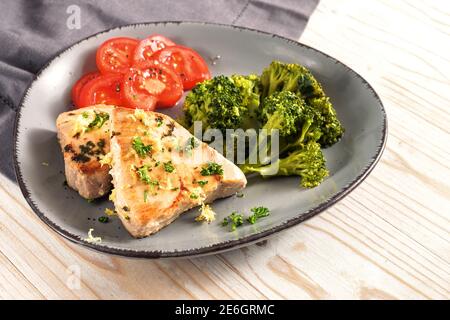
[(101, 143), (114, 133), (170, 129), (159, 121), (68, 148), (81, 157)]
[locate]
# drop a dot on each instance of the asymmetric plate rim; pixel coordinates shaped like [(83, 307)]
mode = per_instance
[(221, 246)]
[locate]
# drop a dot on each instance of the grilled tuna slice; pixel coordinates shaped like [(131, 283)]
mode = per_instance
[(84, 136), (160, 170)]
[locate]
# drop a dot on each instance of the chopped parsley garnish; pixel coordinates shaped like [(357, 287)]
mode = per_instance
[(145, 195), (99, 120), (202, 182), (191, 144), (193, 196), (143, 173), (258, 212), (211, 169), (141, 149), (159, 121), (103, 219), (168, 167), (235, 219), (157, 163)]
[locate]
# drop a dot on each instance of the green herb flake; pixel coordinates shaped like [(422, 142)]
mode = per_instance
[(225, 222), (193, 196), (168, 167), (99, 120), (202, 183), (191, 144), (143, 173), (211, 169), (141, 149), (145, 195), (103, 219), (235, 219), (239, 195), (258, 212), (159, 121)]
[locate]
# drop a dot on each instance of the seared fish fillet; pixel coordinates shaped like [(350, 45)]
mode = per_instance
[(84, 136), (160, 170)]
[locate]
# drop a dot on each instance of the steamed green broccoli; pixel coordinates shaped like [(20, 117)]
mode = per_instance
[(281, 111), (223, 102), (296, 78), (217, 103), (328, 123), (309, 130), (307, 162), (299, 128), (286, 98), (249, 87), (279, 76)]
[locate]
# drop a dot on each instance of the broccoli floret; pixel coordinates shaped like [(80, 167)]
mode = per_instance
[(308, 163), (330, 126), (249, 87), (217, 102), (279, 76), (281, 111), (309, 130), (223, 102), (296, 78)]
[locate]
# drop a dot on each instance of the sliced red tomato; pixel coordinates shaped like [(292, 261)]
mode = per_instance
[(187, 63), (105, 89), (149, 84), (116, 55), (150, 45), (76, 89)]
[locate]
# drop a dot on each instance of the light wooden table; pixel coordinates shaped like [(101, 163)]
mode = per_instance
[(389, 239)]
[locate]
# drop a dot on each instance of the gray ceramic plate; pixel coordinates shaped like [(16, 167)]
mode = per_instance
[(242, 51)]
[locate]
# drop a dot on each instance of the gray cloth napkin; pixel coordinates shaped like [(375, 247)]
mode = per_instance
[(31, 32)]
